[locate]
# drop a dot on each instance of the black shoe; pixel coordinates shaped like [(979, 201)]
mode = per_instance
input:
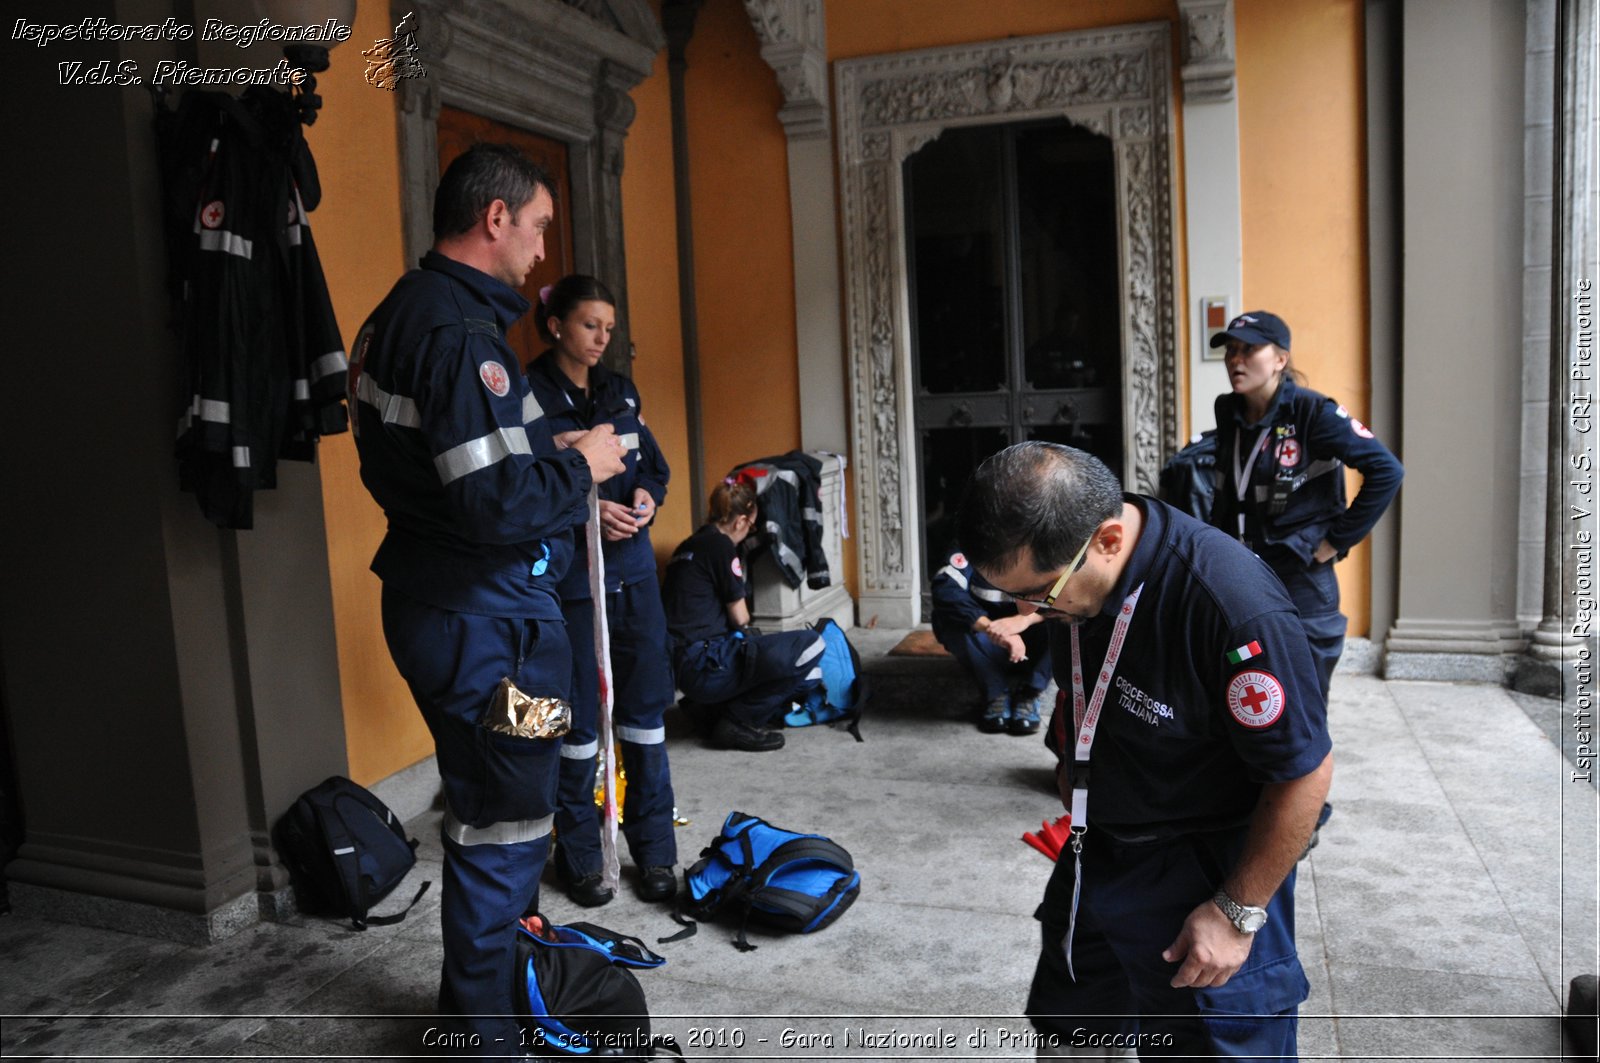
[(731, 734), (1025, 715), (995, 716), (701, 717), (589, 891), (657, 884)]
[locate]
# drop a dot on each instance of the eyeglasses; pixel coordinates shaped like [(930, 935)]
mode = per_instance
[(1049, 600)]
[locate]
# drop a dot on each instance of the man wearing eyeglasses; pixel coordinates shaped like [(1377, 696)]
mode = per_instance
[(1195, 757)]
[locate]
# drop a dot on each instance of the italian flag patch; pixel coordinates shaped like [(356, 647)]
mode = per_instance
[(1244, 653)]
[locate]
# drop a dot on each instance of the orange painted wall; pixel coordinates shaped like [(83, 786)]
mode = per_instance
[(1302, 133), (744, 255), (650, 233), (358, 235)]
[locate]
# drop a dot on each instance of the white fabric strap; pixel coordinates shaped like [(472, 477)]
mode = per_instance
[(1086, 719), (507, 832), (610, 866), (1241, 473)]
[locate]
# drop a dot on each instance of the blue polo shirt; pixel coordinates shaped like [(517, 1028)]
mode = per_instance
[(1215, 692)]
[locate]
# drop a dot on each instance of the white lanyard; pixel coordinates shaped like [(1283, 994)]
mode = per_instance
[(1241, 473), (1086, 718)]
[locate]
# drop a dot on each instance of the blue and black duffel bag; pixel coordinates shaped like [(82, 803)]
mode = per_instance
[(576, 994), (795, 882)]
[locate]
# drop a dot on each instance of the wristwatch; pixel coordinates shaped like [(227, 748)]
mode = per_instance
[(1246, 918)]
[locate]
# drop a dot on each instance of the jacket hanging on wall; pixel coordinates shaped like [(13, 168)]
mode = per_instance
[(264, 367), (789, 512)]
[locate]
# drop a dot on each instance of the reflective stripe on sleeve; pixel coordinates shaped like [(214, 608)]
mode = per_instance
[(394, 409), (509, 832), (815, 673), (629, 440), (302, 390), (957, 577), (531, 410), (241, 457), (587, 751), (642, 736), (989, 594), (330, 364), (481, 453), (223, 240)]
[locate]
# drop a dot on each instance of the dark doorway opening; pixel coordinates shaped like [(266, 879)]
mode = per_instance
[(1016, 324)]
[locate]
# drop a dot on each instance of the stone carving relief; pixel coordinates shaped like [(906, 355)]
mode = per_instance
[(1115, 83), (1208, 63), (792, 43)]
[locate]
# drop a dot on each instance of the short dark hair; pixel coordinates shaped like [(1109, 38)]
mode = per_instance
[(1045, 496), (564, 296), (479, 176)]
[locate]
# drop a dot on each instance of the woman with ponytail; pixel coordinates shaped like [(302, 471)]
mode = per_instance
[(576, 392), (744, 681)]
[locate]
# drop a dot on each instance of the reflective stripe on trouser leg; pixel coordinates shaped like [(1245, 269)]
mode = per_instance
[(577, 817), (773, 671), (642, 671), (486, 890)]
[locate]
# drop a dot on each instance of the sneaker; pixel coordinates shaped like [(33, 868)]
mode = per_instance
[(731, 734), (995, 716), (657, 884), (1025, 714), (589, 891)]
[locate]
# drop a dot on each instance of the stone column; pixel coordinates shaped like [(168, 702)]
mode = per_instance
[(1462, 71), (793, 43), (1212, 231), (1557, 642)]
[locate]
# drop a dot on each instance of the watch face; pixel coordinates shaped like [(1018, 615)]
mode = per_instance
[(1252, 919)]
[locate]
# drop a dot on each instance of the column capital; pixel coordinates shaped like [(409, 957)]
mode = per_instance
[(794, 44), (1208, 50)]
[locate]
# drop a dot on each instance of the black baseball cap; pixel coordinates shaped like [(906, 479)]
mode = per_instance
[(1255, 327)]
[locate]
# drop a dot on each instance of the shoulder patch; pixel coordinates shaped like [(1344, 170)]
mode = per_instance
[(495, 378), (1256, 699), (738, 569), (1289, 453), (1360, 429), (1342, 412), (958, 560), (211, 214)]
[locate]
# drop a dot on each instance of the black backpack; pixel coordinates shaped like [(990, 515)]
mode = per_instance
[(790, 881), (575, 994), (345, 851)]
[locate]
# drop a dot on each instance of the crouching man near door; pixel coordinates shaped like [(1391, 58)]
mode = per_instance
[(1194, 760)]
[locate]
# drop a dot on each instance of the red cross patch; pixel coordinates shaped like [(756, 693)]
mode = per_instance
[(1360, 429), (211, 214), (1288, 453), (1256, 699), (494, 377), (958, 560), (738, 569)]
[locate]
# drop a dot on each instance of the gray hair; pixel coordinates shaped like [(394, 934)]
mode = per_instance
[(1045, 496)]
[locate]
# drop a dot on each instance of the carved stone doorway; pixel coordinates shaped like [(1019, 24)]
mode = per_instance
[(1114, 83)]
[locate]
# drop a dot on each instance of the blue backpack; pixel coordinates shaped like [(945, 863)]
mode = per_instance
[(844, 689), (795, 882), (576, 994)]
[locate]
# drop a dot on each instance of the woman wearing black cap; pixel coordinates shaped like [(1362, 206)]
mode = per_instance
[(1282, 449)]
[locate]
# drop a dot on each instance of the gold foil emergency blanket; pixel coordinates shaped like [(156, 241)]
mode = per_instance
[(511, 712)]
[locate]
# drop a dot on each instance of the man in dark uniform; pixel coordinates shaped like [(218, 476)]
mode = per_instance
[(1195, 758), (1007, 653), (479, 533)]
